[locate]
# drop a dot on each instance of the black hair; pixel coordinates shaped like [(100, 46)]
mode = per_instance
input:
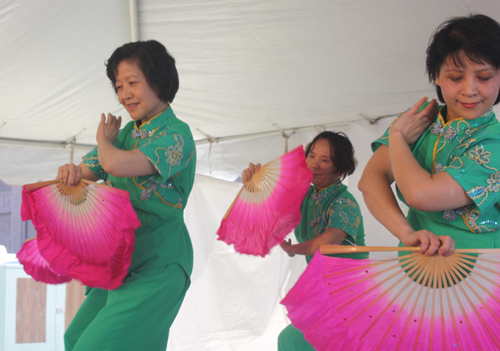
[(155, 62), (341, 151), (474, 37)]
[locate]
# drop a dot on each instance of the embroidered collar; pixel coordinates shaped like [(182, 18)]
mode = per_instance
[(449, 129), (148, 128), (332, 189)]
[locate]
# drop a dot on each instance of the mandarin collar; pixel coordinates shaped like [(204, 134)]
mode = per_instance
[(484, 119), (332, 189), (156, 120)]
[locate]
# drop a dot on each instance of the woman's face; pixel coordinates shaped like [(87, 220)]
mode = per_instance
[(319, 162), (135, 94), (468, 91)]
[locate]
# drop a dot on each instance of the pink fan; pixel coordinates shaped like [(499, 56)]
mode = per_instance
[(268, 207), (36, 266), (413, 302), (85, 231)]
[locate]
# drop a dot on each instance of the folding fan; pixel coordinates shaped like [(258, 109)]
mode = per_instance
[(413, 302), (36, 266), (85, 231), (267, 208)]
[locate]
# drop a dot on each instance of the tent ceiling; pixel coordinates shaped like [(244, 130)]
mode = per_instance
[(245, 66)]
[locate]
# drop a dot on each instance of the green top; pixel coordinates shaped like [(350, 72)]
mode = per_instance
[(159, 199), (332, 207), (463, 149)]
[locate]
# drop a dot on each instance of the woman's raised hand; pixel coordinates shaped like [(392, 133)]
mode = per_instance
[(69, 174), (249, 172), (429, 242), (108, 130), (412, 123)]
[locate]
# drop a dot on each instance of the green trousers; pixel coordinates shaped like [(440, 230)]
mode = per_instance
[(292, 339), (136, 316)]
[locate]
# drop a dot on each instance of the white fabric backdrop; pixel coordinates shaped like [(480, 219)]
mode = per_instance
[(233, 301)]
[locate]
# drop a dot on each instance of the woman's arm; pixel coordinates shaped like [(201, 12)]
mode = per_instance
[(331, 236), (423, 191), (117, 162), (375, 184)]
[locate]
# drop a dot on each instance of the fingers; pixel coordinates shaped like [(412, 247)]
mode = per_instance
[(434, 244), (75, 174), (247, 174), (447, 245), (69, 174), (415, 108), (429, 112), (429, 242)]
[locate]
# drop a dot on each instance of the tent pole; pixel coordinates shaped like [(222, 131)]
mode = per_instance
[(72, 153), (134, 20)]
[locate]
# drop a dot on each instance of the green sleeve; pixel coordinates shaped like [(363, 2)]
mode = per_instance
[(170, 153)]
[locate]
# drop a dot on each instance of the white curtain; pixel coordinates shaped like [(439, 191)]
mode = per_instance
[(233, 301)]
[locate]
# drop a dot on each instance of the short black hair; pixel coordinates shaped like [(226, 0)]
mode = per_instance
[(341, 150), (155, 62), (475, 37)]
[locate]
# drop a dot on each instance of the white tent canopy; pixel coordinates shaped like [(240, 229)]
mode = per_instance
[(246, 67), (253, 74)]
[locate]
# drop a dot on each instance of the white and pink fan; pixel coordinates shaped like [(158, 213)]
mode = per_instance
[(412, 302), (84, 232), (267, 208)]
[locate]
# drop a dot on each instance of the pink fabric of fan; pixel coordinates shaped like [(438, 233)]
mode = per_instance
[(403, 303), (268, 207), (36, 266), (85, 232)]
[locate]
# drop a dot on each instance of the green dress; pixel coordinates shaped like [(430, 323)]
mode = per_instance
[(138, 314), (332, 207), (467, 150)]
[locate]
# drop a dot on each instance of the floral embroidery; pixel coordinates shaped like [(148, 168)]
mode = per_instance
[(476, 192), (145, 194), (452, 214), (480, 156), (315, 222), (438, 167), (153, 185), (450, 133), (437, 127), (449, 215), (135, 134), (143, 134), (174, 155), (317, 197), (92, 161), (493, 182)]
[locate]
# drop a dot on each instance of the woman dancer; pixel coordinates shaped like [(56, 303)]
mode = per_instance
[(154, 159), (443, 158), (330, 214)]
